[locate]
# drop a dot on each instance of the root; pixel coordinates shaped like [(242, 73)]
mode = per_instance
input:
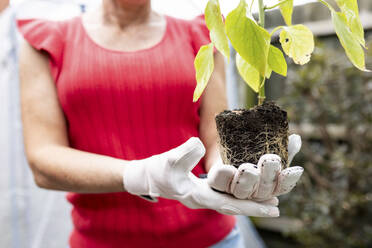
[(246, 135)]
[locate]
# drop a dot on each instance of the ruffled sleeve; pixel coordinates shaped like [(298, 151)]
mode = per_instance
[(44, 35), (199, 33)]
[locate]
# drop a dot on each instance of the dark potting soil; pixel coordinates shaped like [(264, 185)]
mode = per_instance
[(247, 134)]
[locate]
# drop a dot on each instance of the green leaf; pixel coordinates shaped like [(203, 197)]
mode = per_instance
[(204, 65), (251, 41), (351, 44), (286, 9), (249, 74), (298, 43), (350, 9), (213, 19), (268, 72), (277, 61)]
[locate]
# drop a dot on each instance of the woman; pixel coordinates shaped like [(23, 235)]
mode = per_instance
[(105, 99)]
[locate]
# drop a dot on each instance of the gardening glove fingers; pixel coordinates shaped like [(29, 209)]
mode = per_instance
[(270, 166), (288, 177), (294, 146), (186, 156), (253, 209), (169, 175), (287, 180), (181, 160), (245, 181), (205, 197), (220, 176), (273, 201), (164, 175)]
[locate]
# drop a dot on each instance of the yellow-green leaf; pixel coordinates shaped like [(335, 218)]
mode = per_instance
[(249, 74), (251, 41), (204, 64), (268, 72), (277, 61), (213, 19), (286, 9), (298, 43), (350, 9), (353, 49)]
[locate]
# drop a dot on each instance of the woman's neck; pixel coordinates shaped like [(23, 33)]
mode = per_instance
[(126, 13)]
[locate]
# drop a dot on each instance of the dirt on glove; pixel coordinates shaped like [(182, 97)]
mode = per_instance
[(247, 134)]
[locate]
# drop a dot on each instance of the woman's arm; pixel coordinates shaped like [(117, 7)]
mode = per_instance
[(54, 164), (214, 100)]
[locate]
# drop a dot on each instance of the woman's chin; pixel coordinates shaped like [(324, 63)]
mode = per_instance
[(133, 2)]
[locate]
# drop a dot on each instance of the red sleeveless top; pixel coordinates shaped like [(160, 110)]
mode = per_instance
[(129, 105)]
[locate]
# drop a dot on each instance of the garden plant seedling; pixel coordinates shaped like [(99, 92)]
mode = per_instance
[(247, 134)]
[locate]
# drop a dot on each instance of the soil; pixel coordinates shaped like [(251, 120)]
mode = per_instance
[(247, 134)]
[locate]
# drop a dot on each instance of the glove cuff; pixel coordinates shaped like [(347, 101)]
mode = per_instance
[(135, 178)]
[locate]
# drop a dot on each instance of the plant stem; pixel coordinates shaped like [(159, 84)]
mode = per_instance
[(276, 5), (261, 92), (261, 16), (261, 13), (250, 7)]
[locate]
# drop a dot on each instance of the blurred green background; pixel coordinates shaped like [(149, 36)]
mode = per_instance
[(329, 103)]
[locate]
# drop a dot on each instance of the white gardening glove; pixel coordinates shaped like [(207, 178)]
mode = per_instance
[(169, 175), (258, 182)]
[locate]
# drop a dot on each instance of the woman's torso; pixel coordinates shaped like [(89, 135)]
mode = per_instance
[(132, 105)]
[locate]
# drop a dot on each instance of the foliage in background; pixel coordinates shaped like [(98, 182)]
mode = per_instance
[(257, 58), (334, 196)]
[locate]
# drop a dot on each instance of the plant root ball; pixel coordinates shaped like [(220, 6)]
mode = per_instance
[(246, 135)]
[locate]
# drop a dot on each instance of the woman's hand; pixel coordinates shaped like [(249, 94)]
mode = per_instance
[(169, 175), (258, 182)]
